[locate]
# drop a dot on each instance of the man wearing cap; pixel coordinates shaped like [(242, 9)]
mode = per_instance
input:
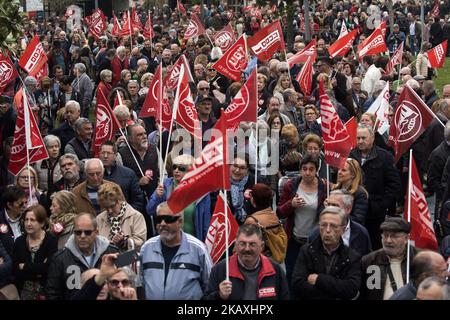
[(8, 117), (384, 270), (174, 265)]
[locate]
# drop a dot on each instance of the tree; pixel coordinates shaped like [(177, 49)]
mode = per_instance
[(11, 24)]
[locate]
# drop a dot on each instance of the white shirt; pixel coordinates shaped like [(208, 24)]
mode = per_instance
[(412, 28), (396, 267), (15, 225), (373, 75), (346, 235)]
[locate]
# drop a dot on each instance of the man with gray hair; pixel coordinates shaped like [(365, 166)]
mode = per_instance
[(70, 170), (119, 63), (432, 288), (429, 93), (83, 85), (435, 131), (81, 144)]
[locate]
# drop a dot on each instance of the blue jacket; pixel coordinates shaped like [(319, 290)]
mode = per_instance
[(202, 209)]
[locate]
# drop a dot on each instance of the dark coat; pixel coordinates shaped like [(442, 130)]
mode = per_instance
[(431, 98), (436, 165), (435, 133), (360, 206), (7, 125), (80, 151), (65, 133), (6, 268), (344, 279), (7, 238)]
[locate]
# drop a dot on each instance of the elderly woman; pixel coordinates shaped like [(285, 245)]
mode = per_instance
[(284, 82), (197, 215), (27, 180), (48, 170), (119, 222), (312, 144), (311, 114), (63, 213), (125, 76), (263, 94), (32, 254), (105, 82), (146, 80)]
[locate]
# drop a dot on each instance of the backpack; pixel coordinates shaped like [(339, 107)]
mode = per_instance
[(275, 239)]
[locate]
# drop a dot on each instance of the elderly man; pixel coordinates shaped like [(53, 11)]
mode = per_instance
[(83, 85), (326, 268), (70, 170), (119, 63), (66, 131), (199, 72), (166, 58), (384, 270), (174, 265), (358, 97), (381, 180), (83, 251), (253, 276), (204, 106), (81, 144), (446, 91), (273, 107), (432, 288)]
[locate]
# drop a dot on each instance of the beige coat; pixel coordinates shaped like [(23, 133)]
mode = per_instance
[(83, 203), (133, 225), (422, 65)]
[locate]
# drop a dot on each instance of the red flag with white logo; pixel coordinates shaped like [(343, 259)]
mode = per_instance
[(412, 116), (181, 8), (127, 28), (8, 72), (234, 61), (396, 59), (148, 28), (244, 105), (215, 238), (96, 23), (194, 28), (302, 56), (106, 124), (351, 125), (267, 41), (337, 142), (422, 232), (27, 138), (42, 73), (151, 102), (116, 27), (304, 77), (373, 44), (343, 44), (171, 78), (136, 21), (33, 57), (344, 30), (435, 11), (225, 38), (380, 108), (436, 55)]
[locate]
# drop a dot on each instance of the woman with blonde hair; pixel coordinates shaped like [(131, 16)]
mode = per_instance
[(63, 213), (119, 222), (350, 179), (27, 180), (284, 82)]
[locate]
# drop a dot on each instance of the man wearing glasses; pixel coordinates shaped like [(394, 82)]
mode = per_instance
[(83, 251), (174, 265)]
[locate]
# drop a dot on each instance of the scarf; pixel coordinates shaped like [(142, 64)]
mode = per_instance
[(115, 221), (237, 198), (64, 219)]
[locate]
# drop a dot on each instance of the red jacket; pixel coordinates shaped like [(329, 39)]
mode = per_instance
[(117, 66)]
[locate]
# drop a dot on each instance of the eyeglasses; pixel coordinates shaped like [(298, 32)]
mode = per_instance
[(115, 283), (80, 232), (235, 166), (180, 168), (167, 219), (332, 226)]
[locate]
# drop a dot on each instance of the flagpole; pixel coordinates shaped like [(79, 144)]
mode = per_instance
[(408, 253), (328, 180), (161, 170), (26, 115), (132, 153), (224, 158)]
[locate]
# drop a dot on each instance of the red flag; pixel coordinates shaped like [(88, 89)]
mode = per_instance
[(383, 28), (34, 57), (106, 122), (136, 21), (336, 140), (267, 41), (194, 28), (26, 137), (344, 30), (412, 116), (343, 44), (127, 28), (181, 8), (422, 232), (302, 56), (8, 72), (116, 27), (351, 125), (436, 55), (196, 9), (435, 11), (234, 61), (171, 78), (244, 105), (396, 59), (184, 107), (304, 77), (207, 175), (96, 23), (148, 28), (215, 238), (151, 102), (373, 44), (225, 38)]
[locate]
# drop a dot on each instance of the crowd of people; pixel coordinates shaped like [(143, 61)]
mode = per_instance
[(65, 220)]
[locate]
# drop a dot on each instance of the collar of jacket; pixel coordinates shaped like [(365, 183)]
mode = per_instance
[(83, 191), (101, 244), (184, 246), (266, 270), (372, 154), (316, 247)]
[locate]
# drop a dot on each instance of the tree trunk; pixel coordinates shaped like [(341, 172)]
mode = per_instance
[(307, 21), (290, 24)]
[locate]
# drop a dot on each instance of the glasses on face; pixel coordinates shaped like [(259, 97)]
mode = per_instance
[(180, 168), (167, 219), (310, 114), (332, 226), (21, 204), (243, 244), (115, 283), (87, 233)]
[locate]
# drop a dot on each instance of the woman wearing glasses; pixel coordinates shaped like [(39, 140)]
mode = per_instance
[(27, 180), (197, 215)]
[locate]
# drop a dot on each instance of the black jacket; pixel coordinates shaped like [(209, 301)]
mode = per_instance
[(344, 279), (7, 125), (436, 165), (360, 206), (65, 133), (7, 238), (36, 270), (80, 150), (6, 268), (435, 133), (381, 181)]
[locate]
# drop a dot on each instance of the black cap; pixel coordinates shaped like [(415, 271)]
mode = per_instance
[(202, 98), (5, 99), (395, 224)]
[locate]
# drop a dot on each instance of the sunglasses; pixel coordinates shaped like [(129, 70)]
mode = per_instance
[(80, 232), (167, 219), (180, 168), (115, 283)]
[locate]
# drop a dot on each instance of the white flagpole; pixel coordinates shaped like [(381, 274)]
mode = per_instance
[(161, 169), (328, 180), (256, 149), (131, 151), (408, 253), (227, 264), (26, 116)]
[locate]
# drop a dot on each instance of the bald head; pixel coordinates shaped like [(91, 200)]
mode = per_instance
[(427, 264)]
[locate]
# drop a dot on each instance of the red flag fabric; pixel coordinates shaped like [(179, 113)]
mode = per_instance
[(244, 105), (148, 28), (302, 56), (225, 38), (171, 78), (127, 28), (267, 41), (106, 123), (412, 116), (215, 238), (33, 57), (42, 73), (396, 59), (151, 102), (194, 28), (116, 27), (422, 232), (184, 108), (97, 23), (304, 77), (234, 61), (136, 21), (207, 175), (181, 8), (344, 30), (196, 9), (336, 140), (383, 28), (8, 72), (436, 55), (26, 136), (373, 44), (435, 11), (352, 126), (343, 44)]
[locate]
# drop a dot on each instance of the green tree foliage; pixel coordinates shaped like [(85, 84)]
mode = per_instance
[(11, 23)]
